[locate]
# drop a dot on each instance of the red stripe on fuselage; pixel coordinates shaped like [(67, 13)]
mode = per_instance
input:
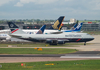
[(14, 31), (78, 40)]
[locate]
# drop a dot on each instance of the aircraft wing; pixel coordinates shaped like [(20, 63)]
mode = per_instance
[(59, 32), (50, 39), (58, 39), (16, 36)]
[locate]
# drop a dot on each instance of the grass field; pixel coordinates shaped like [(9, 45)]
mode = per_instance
[(25, 44), (35, 51), (54, 65)]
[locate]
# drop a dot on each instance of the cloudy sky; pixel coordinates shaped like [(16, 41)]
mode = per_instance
[(50, 9)]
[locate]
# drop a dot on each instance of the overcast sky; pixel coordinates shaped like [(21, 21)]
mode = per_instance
[(50, 9)]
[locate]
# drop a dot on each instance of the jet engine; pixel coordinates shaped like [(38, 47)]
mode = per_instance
[(49, 41), (61, 42), (52, 42), (8, 39)]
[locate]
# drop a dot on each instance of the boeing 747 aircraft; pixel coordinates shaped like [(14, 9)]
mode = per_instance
[(50, 38)]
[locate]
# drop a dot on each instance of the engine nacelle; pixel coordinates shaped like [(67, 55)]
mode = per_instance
[(8, 39), (55, 42), (52, 42), (61, 42), (49, 41)]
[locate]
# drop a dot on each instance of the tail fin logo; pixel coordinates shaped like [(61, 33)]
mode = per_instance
[(72, 28), (55, 26), (60, 26), (14, 30), (57, 23), (11, 25), (41, 30), (78, 26)]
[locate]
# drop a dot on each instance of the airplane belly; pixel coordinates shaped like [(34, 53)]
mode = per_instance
[(80, 40), (3, 38)]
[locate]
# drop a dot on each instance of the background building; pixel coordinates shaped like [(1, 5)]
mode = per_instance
[(72, 21), (87, 25), (90, 26)]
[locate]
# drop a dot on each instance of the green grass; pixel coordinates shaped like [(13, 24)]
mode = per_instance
[(35, 51), (58, 65), (40, 44)]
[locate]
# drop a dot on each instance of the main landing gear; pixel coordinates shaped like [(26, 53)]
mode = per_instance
[(84, 43)]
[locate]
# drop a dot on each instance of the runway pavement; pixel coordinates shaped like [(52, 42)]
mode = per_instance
[(32, 55), (82, 55)]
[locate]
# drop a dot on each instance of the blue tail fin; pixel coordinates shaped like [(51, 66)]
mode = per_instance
[(58, 22), (41, 30), (78, 28), (74, 27)]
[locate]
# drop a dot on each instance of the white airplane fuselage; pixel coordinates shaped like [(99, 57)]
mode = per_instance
[(66, 37)]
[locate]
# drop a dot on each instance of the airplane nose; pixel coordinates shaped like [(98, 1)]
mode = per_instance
[(92, 38)]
